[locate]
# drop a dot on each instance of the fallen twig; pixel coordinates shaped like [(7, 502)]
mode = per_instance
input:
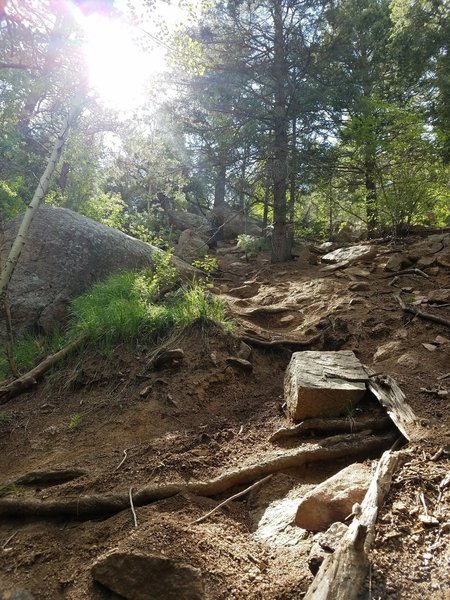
[(130, 495), (231, 498), (122, 461), (11, 537), (410, 272), (420, 313)]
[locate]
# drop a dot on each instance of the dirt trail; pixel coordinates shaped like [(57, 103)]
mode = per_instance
[(202, 418)]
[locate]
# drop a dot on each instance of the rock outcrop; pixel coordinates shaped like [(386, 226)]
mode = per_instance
[(333, 499), (64, 254)]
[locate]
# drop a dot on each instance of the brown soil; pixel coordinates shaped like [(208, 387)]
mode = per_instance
[(202, 418)]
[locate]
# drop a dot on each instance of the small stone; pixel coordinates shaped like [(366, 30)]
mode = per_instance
[(359, 286), (239, 363), (439, 296), (287, 319), (440, 340), (245, 351), (429, 347), (397, 262), (386, 351), (399, 507), (428, 520), (408, 361)]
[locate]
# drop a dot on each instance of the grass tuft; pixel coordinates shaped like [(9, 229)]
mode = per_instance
[(143, 307)]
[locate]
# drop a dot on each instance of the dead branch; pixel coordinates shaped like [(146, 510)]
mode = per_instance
[(234, 497), (31, 378), (80, 507), (348, 425), (343, 573), (133, 512), (409, 272), (420, 313)]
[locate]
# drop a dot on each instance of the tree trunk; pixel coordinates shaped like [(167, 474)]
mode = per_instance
[(371, 195), (282, 231), (39, 194)]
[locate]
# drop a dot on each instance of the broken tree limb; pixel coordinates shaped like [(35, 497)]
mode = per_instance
[(16, 387), (234, 497), (420, 313), (389, 395), (342, 574), (80, 507), (375, 422)]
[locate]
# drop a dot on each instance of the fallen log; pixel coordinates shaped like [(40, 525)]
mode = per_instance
[(16, 387), (87, 506), (376, 422), (342, 574)]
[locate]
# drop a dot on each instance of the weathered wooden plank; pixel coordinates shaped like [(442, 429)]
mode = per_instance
[(388, 393)]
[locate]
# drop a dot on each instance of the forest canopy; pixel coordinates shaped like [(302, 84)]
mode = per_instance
[(307, 114)]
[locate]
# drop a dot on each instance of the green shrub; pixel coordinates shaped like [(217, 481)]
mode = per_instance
[(250, 243)]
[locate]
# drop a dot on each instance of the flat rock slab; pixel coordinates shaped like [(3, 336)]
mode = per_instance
[(148, 577), (323, 384), (350, 254), (333, 499)]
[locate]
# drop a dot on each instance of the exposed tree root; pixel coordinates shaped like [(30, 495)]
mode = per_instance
[(419, 313), (286, 343), (376, 422), (16, 387), (90, 505), (45, 477)]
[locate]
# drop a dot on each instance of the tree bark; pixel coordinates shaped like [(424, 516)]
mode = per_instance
[(282, 231)]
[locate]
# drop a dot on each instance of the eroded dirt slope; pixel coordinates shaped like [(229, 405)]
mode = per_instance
[(123, 424)]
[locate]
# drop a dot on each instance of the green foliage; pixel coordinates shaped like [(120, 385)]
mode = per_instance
[(136, 305), (250, 243), (209, 264), (11, 204), (105, 208), (75, 422), (28, 350)]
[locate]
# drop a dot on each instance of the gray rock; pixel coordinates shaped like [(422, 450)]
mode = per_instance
[(359, 286), (397, 262), (333, 499), (182, 220), (147, 577), (191, 245), (64, 254), (350, 254), (16, 595), (323, 383)]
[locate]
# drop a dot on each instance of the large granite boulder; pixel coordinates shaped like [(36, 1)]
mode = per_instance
[(64, 254)]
